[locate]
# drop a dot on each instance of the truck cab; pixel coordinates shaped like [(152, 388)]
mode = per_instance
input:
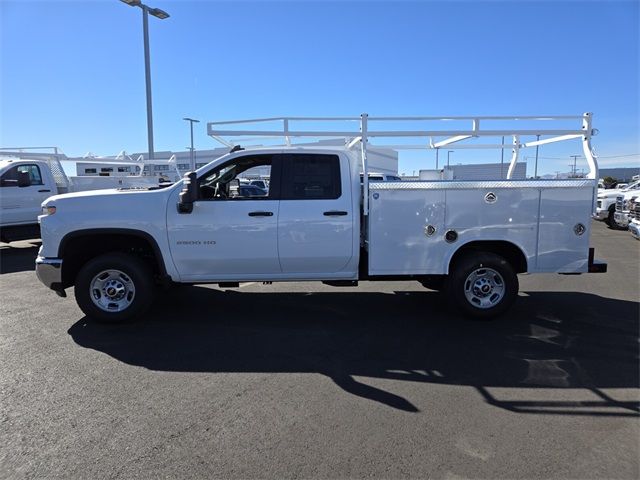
[(304, 228), (24, 185)]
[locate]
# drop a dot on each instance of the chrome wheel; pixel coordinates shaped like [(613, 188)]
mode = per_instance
[(484, 288), (112, 291)]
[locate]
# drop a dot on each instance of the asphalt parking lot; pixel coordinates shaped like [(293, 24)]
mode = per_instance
[(303, 380)]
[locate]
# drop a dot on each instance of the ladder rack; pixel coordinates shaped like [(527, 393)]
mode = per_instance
[(359, 131)]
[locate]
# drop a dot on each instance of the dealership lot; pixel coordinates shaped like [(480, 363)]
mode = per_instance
[(306, 380)]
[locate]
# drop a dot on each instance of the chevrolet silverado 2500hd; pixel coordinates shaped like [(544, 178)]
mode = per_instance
[(319, 222)]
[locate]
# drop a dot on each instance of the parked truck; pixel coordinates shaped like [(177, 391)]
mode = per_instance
[(320, 223), (624, 201), (606, 204), (634, 217), (26, 182)]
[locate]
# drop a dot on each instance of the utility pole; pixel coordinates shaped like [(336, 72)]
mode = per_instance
[(574, 169)]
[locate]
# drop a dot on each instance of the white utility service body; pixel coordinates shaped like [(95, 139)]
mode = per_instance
[(319, 222)]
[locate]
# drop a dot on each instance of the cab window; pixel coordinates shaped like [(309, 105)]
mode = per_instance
[(311, 177), (10, 177), (230, 181)]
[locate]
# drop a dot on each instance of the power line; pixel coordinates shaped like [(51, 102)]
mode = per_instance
[(597, 156), (620, 156)]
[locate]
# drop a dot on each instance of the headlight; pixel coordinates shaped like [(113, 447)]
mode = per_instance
[(48, 210)]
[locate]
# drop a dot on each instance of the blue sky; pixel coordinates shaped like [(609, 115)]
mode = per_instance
[(73, 72)]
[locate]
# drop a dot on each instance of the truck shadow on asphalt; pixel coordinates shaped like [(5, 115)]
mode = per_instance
[(18, 259), (549, 340)]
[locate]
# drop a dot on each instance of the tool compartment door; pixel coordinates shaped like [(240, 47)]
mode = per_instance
[(401, 241)]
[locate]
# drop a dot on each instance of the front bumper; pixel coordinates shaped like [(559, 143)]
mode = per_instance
[(621, 218), (634, 229), (601, 214), (49, 272)]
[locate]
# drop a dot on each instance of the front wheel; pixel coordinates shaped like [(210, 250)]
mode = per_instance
[(114, 287), (482, 285), (611, 220)]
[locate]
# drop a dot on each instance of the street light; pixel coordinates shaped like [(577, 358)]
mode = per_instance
[(161, 14), (535, 173), (191, 159), (448, 152)]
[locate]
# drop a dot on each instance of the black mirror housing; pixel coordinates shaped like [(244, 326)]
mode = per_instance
[(189, 193), (24, 179)]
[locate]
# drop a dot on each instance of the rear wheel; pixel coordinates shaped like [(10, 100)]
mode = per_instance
[(482, 285), (114, 287)]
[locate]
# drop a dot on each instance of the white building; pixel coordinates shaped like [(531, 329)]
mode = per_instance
[(479, 171)]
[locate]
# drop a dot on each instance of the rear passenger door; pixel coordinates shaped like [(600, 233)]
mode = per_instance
[(316, 221)]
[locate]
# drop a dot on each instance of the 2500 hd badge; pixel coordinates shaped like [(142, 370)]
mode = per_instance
[(196, 242)]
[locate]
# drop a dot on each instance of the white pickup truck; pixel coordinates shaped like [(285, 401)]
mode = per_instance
[(318, 222), (26, 182), (624, 201), (606, 204)]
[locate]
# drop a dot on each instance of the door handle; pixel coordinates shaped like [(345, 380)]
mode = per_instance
[(261, 214), (42, 191), (335, 213)]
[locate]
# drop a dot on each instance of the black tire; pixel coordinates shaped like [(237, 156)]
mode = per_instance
[(611, 221), (138, 274), (473, 263)]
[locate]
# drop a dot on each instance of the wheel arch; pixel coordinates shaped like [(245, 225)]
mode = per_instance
[(78, 247), (511, 252)]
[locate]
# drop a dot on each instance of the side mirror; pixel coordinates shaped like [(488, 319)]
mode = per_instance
[(24, 180), (189, 193)]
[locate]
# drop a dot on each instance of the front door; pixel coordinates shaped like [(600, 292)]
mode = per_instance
[(231, 234), (21, 205)]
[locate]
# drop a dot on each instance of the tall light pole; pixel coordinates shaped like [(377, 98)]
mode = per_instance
[(161, 14), (535, 173), (191, 159), (502, 157), (448, 152)]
